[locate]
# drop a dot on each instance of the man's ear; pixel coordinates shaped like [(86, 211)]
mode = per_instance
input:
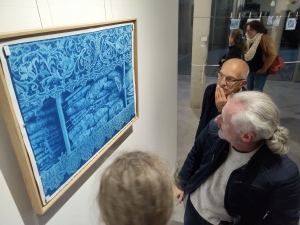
[(248, 137), (244, 82)]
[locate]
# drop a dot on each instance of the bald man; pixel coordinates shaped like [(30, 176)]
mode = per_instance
[(231, 79)]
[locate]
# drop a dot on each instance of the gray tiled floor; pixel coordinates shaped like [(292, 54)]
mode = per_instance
[(285, 94)]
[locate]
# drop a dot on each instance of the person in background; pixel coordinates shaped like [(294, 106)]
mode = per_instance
[(236, 46), (231, 79), (260, 53), (237, 172), (136, 189)]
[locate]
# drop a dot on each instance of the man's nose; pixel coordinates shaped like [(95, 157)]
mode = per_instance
[(223, 81), (217, 119)]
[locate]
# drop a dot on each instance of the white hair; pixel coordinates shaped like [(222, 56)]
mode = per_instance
[(260, 116)]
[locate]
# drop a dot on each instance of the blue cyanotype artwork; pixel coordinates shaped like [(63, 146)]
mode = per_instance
[(75, 93), (235, 24), (291, 24)]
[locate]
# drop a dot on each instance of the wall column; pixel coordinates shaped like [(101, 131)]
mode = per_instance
[(201, 27)]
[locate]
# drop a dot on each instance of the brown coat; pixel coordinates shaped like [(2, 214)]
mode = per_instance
[(269, 51)]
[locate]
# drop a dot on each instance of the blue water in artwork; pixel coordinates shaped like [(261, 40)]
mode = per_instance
[(75, 93)]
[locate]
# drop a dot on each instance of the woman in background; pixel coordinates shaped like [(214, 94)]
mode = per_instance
[(236, 46), (260, 53)]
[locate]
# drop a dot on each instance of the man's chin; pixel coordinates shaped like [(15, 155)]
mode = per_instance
[(230, 142)]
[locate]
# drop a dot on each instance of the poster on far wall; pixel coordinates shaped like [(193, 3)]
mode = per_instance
[(290, 24), (277, 21), (270, 20), (235, 24)]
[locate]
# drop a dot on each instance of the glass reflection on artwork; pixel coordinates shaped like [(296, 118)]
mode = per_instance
[(75, 93)]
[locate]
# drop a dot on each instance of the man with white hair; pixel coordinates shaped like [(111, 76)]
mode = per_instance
[(238, 172)]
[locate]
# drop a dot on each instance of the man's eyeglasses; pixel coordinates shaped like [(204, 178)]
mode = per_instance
[(229, 80)]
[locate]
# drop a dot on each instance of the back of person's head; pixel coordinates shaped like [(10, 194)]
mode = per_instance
[(136, 189), (237, 35), (256, 25), (260, 115)]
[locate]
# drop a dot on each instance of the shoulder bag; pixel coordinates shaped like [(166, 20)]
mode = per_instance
[(276, 66)]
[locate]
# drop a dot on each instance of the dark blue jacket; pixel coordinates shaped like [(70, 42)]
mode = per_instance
[(264, 191)]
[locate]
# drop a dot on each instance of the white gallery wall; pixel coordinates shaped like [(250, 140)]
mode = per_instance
[(155, 130)]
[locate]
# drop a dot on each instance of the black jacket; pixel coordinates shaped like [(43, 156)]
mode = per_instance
[(233, 52), (265, 191), (209, 108)]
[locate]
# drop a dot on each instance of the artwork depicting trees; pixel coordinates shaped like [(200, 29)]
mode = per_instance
[(75, 93)]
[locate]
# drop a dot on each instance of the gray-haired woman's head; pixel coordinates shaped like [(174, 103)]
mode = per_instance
[(136, 189)]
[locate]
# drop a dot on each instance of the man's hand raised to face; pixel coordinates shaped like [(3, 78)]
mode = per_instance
[(220, 98)]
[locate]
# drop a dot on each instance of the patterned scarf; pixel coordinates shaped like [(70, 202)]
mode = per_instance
[(255, 42)]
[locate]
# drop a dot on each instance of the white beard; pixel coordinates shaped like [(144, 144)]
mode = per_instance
[(234, 141)]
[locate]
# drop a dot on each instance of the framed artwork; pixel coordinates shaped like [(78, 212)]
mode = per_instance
[(235, 24), (270, 20), (291, 24), (277, 21), (66, 95)]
